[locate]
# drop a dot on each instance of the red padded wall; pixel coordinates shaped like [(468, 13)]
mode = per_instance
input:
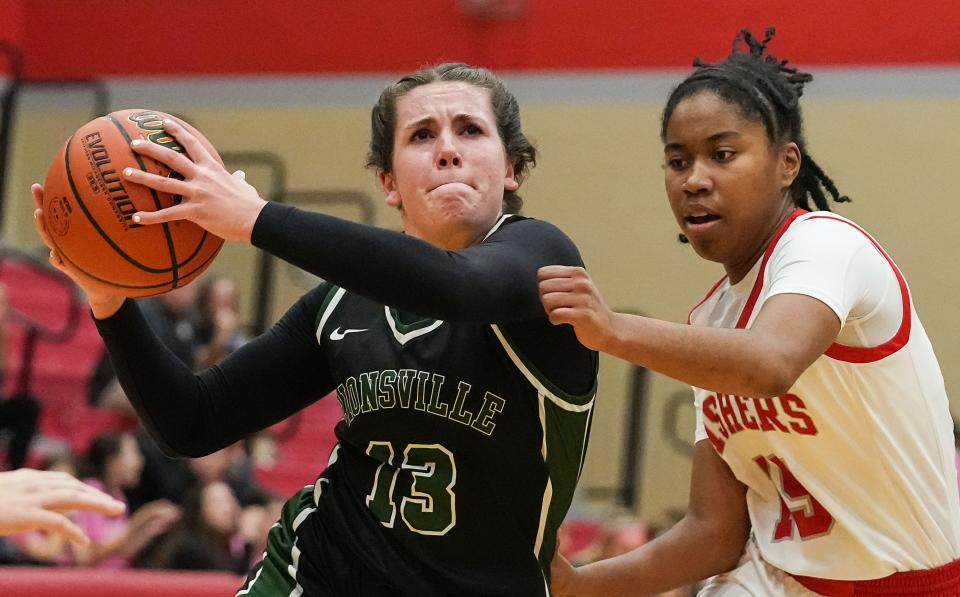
[(65, 38), (78, 582)]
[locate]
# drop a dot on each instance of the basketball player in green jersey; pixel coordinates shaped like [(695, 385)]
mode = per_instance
[(466, 414)]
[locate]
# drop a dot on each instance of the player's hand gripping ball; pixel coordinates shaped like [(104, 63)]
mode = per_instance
[(88, 209)]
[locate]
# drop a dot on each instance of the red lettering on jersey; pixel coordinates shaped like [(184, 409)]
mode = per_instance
[(767, 413), (784, 526), (802, 423), (812, 520), (746, 417), (809, 516), (710, 414), (729, 418)]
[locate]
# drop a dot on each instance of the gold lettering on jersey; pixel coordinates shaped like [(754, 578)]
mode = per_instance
[(726, 415), (492, 404), (410, 389), (368, 391)]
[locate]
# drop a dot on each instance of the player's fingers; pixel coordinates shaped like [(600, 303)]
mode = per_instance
[(41, 227), (174, 159), (570, 298), (55, 522), (38, 223), (559, 271), (37, 191), (170, 214), (240, 174), (164, 184), (197, 152), (562, 315), (76, 498), (556, 285)]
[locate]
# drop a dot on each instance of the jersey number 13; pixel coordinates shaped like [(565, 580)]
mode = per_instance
[(431, 507)]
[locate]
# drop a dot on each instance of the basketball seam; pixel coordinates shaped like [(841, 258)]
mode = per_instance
[(134, 286), (156, 199), (95, 224)]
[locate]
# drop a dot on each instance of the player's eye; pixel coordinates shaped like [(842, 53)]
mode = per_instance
[(472, 129), (420, 135), (723, 155), (676, 163)]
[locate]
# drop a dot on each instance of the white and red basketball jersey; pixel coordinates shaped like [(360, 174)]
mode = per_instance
[(851, 474)]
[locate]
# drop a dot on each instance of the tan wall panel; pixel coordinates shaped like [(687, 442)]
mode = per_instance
[(600, 180)]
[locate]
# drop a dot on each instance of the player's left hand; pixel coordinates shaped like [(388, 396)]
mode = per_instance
[(570, 296), (38, 499), (562, 577), (224, 204)]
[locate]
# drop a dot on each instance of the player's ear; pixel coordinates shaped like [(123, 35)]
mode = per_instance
[(790, 162), (390, 192), (510, 181)]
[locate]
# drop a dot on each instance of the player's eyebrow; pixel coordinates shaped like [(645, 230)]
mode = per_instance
[(430, 120), (676, 146)]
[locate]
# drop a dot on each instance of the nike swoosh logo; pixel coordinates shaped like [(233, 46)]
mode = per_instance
[(336, 334)]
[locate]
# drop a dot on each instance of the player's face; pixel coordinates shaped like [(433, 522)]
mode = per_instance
[(450, 167), (727, 185)]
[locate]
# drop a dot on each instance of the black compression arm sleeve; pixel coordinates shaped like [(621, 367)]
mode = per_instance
[(491, 282), (259, 384)]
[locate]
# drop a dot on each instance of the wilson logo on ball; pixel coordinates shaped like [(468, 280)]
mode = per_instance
[(152, 124)]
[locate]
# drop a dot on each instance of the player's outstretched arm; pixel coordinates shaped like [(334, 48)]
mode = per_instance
[(707, 541), (38, 499), (789, 333)]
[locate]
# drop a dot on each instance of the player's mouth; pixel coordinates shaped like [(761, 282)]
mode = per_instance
[(699, 219), (451, 182)]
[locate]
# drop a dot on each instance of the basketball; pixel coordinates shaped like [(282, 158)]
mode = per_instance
[(88, 209)]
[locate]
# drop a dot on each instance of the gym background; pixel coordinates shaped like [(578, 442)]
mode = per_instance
[(284, 89)]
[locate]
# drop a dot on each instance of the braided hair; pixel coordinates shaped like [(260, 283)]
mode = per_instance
[(766, 89)]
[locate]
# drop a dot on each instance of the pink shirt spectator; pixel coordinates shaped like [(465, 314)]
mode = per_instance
[(101, 528)]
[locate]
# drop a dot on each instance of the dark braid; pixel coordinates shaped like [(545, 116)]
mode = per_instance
[(766, 89)]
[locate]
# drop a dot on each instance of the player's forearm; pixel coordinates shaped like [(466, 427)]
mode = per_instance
[(685, 554), (733, 361), (399, 270)]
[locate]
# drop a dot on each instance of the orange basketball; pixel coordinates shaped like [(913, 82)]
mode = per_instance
[(88, 208)]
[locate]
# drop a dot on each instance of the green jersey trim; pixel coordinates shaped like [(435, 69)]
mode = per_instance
[(404, 332), (543, 385), (330, 302)]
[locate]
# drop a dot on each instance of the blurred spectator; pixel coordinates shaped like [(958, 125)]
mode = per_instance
[(217, 331), (20, 412), (260, 513), (208, 535), (114, 462), (620, 535), (172, 317)]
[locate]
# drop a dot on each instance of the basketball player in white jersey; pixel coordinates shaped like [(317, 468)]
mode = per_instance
[(824, 461)]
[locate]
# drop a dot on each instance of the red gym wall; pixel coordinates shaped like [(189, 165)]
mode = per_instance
[(70, 39)]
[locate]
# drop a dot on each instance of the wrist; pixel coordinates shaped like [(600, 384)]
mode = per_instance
[(610, 339), (255, 215), (106, 306)]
